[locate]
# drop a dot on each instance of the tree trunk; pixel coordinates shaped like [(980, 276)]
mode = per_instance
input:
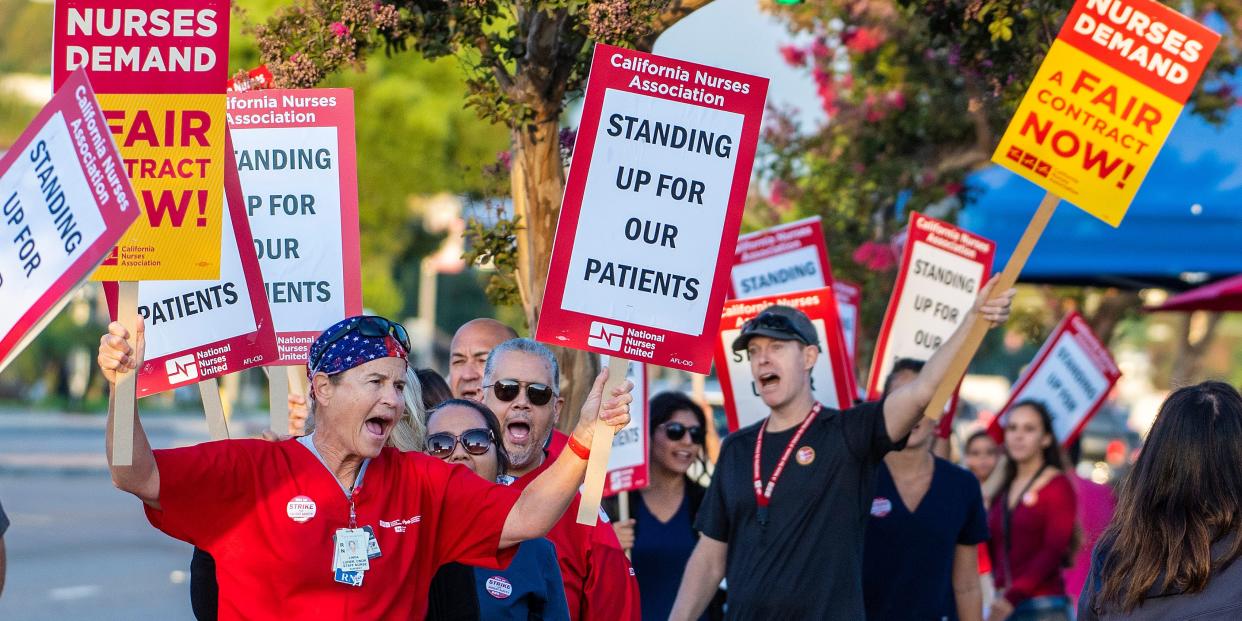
[(1115, 304), (1187, 365), (538, 184)]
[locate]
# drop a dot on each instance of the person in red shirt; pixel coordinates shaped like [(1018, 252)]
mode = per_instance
[(281, 518), (1032, 522), (520, 384)]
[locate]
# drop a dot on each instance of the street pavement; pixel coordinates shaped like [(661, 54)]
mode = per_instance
[(78, 548)]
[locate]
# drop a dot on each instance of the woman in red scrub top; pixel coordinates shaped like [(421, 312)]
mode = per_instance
[(279, 517)]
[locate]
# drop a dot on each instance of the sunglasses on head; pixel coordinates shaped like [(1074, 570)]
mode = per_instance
[(475, 441), (508, 390), (369, 326), (677, 431)]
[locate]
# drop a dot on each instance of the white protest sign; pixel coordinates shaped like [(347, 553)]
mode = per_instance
[(64, 203), (652, 206), (943, 268), (627, 463), (1071, 376), (782, 259), (295, 156)]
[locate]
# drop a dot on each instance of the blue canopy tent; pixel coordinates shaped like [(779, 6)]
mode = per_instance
[(1184, 227)]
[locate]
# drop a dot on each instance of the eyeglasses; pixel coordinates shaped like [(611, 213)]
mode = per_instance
[(536, 393), (370, 326), (475, 441), (676, 431)]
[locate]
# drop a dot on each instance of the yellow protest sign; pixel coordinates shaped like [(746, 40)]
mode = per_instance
[(1103, 102), (159, 70)]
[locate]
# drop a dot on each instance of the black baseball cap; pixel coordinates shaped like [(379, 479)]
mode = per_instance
[(779, 322)]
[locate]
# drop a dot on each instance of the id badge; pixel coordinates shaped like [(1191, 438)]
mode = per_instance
[(350, 550), (373, 550)]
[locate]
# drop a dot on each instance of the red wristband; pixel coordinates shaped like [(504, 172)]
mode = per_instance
[(581, 451)]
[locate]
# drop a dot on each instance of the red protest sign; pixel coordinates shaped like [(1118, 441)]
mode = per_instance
[(197, 330), (64, 202), (849, 309), (830, 377), (628, 461), (1071, 375), (942, 270), (652, 208), (258, 78), (782, 259), (295, 157)]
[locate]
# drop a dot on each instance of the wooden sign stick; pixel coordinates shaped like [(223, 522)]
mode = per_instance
[(1006, 280), (126, 388), (278, 399), (213, 406), (299, 385), (601, 448), (623, 511)]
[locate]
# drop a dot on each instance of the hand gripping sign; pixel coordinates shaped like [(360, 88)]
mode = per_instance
[(942, 270), (159, 68), (627, 463), (782, 259), (830, 377), (652, 207), (295, 156), (1071, 375), (1094, 119), (64, 203), (197, 330)]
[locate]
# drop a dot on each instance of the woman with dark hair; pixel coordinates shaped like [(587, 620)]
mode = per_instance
[(1031, 521), (435, 389), (980, 454), (462, 431), (660, 533), (1170, 551)]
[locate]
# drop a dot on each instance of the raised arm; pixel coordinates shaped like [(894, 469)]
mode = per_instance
[(904, 407), (544, 501), (704, 572), (142, 479)]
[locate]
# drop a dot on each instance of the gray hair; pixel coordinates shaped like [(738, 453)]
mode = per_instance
[(410, 432), (525, 346)]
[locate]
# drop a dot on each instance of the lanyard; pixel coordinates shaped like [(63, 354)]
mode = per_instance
[(763, 495)]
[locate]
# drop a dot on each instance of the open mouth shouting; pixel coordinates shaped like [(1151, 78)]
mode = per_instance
[(377, 427), (517, 432), (768, 381)]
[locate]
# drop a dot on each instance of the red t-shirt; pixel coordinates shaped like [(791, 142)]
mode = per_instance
[(599, 582), (231, 498), (1041, 528)]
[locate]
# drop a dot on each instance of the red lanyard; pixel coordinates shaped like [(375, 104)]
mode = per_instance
[(763, 495)]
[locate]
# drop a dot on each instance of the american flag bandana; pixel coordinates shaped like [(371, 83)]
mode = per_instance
[(351, 350)]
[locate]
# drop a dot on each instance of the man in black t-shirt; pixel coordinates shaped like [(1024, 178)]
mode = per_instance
[(790, 540)]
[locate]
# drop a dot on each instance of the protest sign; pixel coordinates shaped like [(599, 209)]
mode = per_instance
[(783, 259), (64, 202), (830, 381), (1093, 120), (652, 207), (1104, 100), (627, 463), (849, 309), (255, 79), (1071, 376), (295, 157), (159, 69), (653, 203), (197, 330), (942, 270)]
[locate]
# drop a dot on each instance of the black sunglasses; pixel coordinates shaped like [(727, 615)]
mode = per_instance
[(677, 431), (772, 322), (536, 393), (475, 441), (370, 326)]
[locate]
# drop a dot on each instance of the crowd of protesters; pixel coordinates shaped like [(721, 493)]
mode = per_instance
[(812, 513)]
